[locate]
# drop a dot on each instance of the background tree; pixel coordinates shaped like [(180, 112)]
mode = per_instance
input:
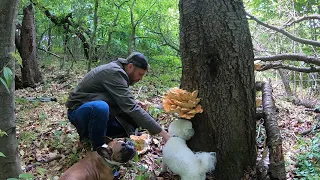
[(9, 165), (28, 49), (217, 59)]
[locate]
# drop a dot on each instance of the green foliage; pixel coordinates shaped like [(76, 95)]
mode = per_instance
[(3, 133), (306, 6), (155, 112), (25, 176), (2, 155), (28, 137), (17, 57), (308, 166), (8, 78), (43, 116), (41, 171), (165, 73)]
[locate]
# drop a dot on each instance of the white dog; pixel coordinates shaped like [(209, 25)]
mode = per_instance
[(180, 159)]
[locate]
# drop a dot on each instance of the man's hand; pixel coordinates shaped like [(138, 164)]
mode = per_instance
[(143, 105), (165, 136)]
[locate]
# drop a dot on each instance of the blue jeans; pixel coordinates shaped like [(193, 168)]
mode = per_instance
[(92, 121)]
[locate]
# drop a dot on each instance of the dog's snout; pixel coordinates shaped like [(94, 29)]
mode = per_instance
[(129, 151), (130, 143)]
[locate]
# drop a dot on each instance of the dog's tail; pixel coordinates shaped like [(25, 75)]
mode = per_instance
[(207, 160)]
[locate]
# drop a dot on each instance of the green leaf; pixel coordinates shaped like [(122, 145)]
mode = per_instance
[(136, 158), (26, 176), (17, 56), (3, 133), (8, 75), (12, 179), (2, 155), (41, 170), (5, 84)]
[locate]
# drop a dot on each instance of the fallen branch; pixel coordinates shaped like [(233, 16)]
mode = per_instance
[(279, 65), (274, 140), (292, 57), (51, 53), (305, 132), (306, 103), (295, 38)]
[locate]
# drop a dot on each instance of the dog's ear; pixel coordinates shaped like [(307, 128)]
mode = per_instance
[(188, 133), (103, 152), (107, 139)]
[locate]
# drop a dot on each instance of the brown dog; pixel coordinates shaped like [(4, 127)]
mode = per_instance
[(100, 164)]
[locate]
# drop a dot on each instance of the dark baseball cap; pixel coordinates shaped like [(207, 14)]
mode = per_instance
[(138, 60)]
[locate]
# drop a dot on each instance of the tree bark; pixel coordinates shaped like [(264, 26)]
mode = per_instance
[(9, 165), (217, 59), (286, 82), (30, 70)]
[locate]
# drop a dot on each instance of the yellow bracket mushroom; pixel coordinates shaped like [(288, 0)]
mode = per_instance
[(180, 101)]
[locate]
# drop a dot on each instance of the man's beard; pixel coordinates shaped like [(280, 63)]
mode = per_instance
[(132, 82)]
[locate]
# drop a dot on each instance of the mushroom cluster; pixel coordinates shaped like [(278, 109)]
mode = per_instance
[(180, 101)]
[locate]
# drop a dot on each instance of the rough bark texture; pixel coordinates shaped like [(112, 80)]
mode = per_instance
[(274, 140), (30, 70), (217, 59), (9, 165)]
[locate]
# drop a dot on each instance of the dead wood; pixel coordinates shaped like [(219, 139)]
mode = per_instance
[(291, 57), (279, 65), (274, 140), (302, 102)]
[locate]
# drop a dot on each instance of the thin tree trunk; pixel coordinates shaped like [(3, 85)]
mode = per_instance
[(285, 81), (131, 42), (92, 51), (49, 38), (65, 52), (217, 60), (30, 70), (10, 165)]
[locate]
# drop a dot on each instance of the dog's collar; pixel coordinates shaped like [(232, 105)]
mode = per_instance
[(114, 165), (176, 136)]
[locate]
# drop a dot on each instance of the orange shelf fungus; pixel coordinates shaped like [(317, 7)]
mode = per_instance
[(180, 101)]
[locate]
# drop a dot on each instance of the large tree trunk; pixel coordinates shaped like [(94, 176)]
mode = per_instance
[(217, 59), (9, 165), (30, 70)]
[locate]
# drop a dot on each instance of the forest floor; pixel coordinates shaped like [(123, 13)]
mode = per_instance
[(48, 143)]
